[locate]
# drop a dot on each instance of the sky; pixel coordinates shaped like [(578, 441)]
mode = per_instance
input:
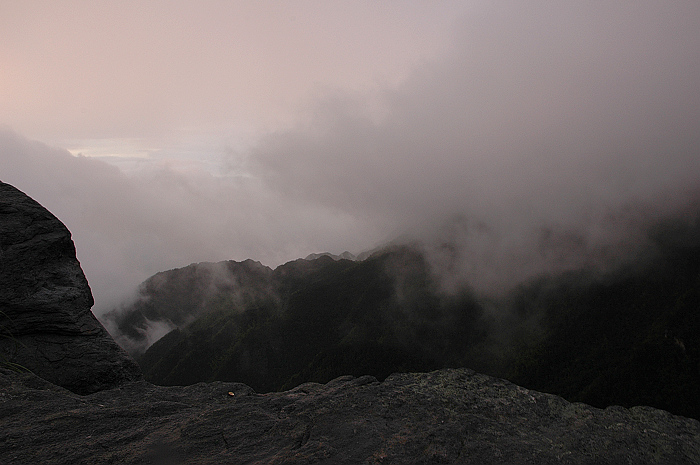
[(169, 132)]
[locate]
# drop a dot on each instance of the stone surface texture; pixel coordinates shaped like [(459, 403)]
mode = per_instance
[(447, 416), (104, 413), (46, 324)]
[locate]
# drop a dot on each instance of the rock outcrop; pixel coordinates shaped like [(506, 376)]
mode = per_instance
[(448, 416), (105, 413), (45, 319)]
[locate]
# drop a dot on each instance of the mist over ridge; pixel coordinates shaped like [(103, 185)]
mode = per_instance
[(545, 138), (626, 335)]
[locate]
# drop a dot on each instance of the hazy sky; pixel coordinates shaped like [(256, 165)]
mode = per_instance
[(269, 130), (133, 69)]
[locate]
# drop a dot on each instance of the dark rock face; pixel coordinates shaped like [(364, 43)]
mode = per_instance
[(448, 416), (46, 323), (112, 416)]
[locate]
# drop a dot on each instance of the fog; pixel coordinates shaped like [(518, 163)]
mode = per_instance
[(127, 228), (549, 120), (541, 136)]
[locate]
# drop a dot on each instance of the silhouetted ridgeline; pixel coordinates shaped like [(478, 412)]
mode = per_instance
[(110, 415), (628, 337)]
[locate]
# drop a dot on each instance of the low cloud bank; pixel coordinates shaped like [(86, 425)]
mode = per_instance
[(546, 138), (549, 132), (127, 228)]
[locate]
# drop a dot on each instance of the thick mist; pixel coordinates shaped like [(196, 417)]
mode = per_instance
[(129, 227), (547, 137)]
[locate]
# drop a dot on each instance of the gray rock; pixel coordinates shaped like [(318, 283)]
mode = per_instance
[(45, 320), (447, 416)]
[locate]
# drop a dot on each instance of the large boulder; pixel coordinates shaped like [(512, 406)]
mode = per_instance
[(45, 319)]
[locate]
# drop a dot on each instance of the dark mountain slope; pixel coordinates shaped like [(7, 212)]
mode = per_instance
[(333, 317), (631, 339), (113, 416), (177, 297), (628, 337)]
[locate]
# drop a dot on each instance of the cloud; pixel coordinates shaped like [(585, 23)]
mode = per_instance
[(543, 121), (127, 228), (542, 116)]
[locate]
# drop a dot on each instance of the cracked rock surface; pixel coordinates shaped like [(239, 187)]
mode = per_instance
[(46, 324)]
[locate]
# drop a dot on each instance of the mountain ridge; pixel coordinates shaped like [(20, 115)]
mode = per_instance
[(444, 416), (627, 337)]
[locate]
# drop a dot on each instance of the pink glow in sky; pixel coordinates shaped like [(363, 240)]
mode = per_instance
[(270, 130), (91, 70)]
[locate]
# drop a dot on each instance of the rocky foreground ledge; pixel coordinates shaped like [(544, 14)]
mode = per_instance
[(448, 416), (85, 401)]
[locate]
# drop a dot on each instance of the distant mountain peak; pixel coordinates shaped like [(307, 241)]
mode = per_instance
[(343, 256)]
